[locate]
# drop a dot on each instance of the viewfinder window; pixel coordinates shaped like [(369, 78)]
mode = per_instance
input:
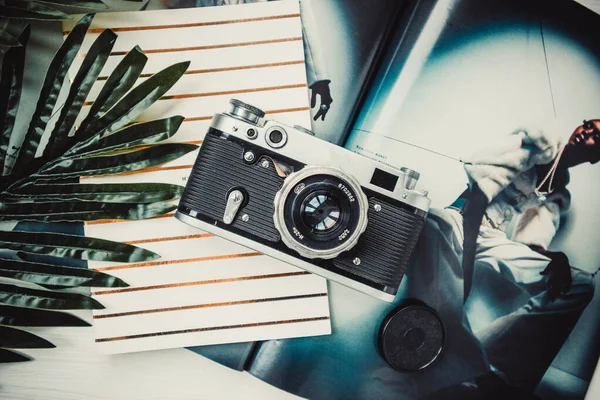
[(384, 180)]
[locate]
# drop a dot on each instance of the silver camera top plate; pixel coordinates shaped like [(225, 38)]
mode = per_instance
[(310, 150)]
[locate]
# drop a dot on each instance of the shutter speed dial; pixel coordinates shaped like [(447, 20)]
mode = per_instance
[(246, 111)]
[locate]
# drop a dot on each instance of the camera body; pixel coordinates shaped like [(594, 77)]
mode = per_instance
[(283, 192)]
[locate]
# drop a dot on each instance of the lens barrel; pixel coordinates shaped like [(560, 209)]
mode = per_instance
[(320, 212)]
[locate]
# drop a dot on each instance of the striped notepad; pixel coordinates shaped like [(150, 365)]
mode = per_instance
[(204, 289)]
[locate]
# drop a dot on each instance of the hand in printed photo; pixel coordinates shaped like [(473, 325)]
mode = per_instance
[(558, 273), (321, 88)]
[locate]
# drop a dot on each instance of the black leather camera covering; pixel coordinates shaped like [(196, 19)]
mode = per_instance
[(391, 235), (220, 168)]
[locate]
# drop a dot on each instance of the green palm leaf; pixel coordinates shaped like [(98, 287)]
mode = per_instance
[(91, 4), (135, 102), (50, 91), (81, 211), (45, 9), (73, 246), (11, 82), (118, 83), (43, 184), (23, 9), (14, 338), (23, 316), (81, 86), (142, 134), (8, 356), (52, 276), (142, 193), (8, 40), (117, 163), (14, 295)]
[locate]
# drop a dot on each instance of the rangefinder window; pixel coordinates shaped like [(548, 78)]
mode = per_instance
[(384, 180)]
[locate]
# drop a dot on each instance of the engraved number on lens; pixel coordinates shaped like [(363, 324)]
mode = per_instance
[(321, 213), (298, 234), (343, 235), (347, 192)]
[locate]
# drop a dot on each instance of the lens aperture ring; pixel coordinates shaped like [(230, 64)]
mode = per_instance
[(320, 212)]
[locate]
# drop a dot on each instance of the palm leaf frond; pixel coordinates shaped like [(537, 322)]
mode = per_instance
[(73, 246), (11, 83), (135, 135), (9, 356), (81, 86), (118, 83), (25, 9), (65, 211), (8, 40), (25, 316), (55, 77), (42, 184), (143, 193), (90, 4), (14, 338), (14, 295), (104, 164), (55, 276), (47, 9), (135, 101)]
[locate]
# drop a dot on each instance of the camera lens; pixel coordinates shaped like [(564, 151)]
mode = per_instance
[(320, 212), (321, 215)]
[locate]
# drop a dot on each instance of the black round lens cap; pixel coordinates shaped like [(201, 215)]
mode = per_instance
[(411, 338)]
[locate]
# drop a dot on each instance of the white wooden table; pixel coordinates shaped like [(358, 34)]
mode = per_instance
[(74, 371)]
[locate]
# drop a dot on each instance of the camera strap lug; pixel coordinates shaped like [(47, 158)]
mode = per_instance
[(234, 201)]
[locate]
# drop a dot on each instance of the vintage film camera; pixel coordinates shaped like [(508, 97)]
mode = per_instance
[(283, 192)]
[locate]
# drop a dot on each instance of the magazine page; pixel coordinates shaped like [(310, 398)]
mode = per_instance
[(459, 75), (499, 100)]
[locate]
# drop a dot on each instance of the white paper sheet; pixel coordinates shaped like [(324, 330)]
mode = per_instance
[(203, 289)]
